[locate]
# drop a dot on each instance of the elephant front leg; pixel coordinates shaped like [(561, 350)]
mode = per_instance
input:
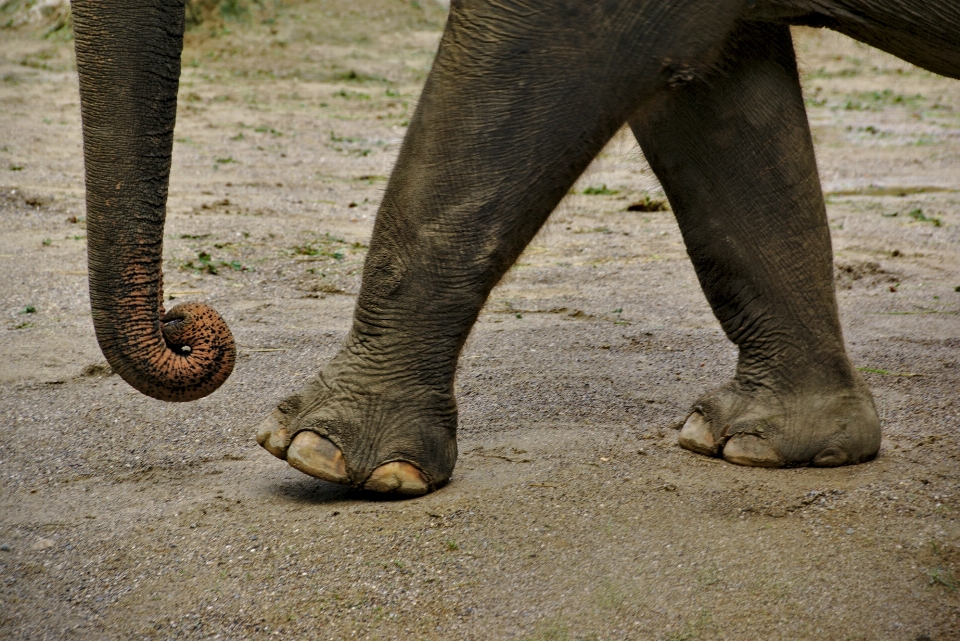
[(516, 106), (735, 157)]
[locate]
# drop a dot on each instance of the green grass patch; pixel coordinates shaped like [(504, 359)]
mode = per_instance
[(327, 245), (351, 95), (356, 76), (214, 13), (205, 263), (351, 139), (918, 215), (841, 73), (944, 578), (878, 100), (601, 190)]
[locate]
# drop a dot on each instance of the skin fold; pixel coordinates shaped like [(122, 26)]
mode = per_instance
[(522, 96)]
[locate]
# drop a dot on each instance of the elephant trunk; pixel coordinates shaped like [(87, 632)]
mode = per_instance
[(128, 59)]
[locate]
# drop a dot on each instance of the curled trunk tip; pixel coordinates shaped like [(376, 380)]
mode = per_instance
[(194, 356)]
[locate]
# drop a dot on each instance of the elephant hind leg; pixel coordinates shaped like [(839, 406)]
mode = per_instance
[(735, 156)]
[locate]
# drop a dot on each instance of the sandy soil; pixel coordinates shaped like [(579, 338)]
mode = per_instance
[(572, 513)]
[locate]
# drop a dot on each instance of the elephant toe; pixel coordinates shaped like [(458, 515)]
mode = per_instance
[(831, 457), (317, 456), (272, 435), (397, 477), (752, 451), (697, 436)]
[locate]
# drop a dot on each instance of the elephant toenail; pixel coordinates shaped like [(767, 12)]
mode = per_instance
[(830, 457), (397, 477), (696, 436), (315, 455), (272, 437), (750, 450)]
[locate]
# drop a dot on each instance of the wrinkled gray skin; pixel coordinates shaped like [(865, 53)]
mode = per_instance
[(522, 95)]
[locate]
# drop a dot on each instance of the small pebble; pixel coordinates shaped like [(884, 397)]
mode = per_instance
[(42, 544), (4, 547), (849, 530)]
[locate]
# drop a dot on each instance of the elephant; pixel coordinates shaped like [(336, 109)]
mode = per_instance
[(522, 95)]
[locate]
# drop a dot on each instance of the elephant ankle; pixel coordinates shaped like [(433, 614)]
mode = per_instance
[(807, 375)]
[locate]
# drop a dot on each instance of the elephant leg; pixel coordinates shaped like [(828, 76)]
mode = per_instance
[(735, 157), (521, 97)]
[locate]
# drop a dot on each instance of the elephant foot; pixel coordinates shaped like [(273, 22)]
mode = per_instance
[(397, 444), (762, 428)]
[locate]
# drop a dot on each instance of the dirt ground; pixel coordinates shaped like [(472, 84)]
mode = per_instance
[(572, 513)]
